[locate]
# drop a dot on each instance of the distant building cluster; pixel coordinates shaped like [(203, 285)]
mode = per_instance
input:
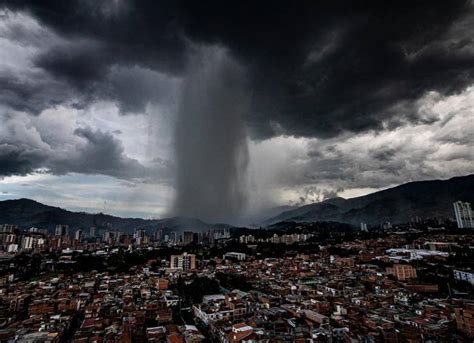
[(277, 239), (14, 240)]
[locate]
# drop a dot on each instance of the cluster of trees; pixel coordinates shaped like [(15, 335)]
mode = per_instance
[(233, 281), (191, 292)]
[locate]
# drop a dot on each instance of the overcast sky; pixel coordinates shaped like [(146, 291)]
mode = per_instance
[(221, 109)]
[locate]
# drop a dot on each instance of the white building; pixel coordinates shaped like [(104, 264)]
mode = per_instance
[(212, 308), (247, 239), (184, 261), (28, 243), (463, 214), (464, 275), (78, 235), (208, 313), (172, 300), (12, 248), (234, 255)]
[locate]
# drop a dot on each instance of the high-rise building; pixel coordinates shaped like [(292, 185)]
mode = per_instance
[(92, 232), (140, 237), (28, 243), (111, 237), (247, 239), (197, 238), (62, 230), (184, 261), (463, 213), (209, 238), (10, 239), (8, 228), (158, 235), (78, 235), (173, 237), (187, 237)]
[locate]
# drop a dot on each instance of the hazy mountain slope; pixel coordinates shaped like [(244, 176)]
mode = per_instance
[(398, 204), (27, 213)]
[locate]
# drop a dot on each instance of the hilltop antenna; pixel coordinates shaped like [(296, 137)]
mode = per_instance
[(105, 206)]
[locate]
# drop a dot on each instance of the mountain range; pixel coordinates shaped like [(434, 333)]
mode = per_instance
[(27, 213), (424, 199)]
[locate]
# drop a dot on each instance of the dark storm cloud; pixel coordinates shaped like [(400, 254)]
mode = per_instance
[(93, 71), (98, 35), (102, 154), (32, 94), (15, 160), (135, 87), (317, 68), (23, 151), (80, 63)]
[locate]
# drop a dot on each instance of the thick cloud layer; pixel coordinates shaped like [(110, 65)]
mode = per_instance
[(301, 170), (53, 142), (90, 151), (318, 69), (328, 77)]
